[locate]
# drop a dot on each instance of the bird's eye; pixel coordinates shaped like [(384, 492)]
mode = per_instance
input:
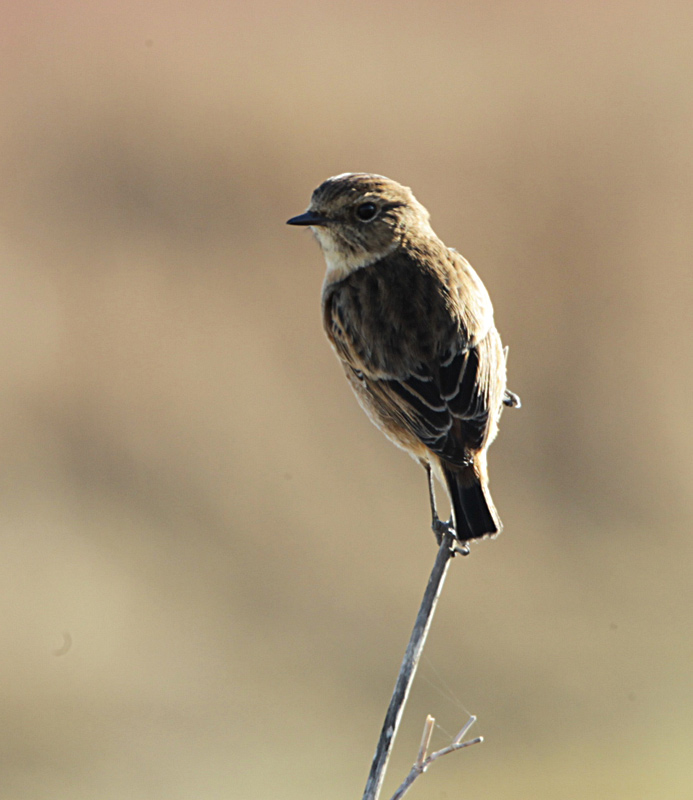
[(366, 211)]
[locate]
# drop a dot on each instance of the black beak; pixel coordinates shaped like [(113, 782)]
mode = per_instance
[(309, 218)]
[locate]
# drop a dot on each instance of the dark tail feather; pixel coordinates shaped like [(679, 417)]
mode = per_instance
[(472, 506)]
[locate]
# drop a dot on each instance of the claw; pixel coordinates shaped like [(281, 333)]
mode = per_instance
[(441, 528)]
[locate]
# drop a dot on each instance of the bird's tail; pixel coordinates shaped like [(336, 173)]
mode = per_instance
[(472, 507)]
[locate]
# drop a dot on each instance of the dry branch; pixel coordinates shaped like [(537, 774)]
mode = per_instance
[(424, 761), (408, 669)]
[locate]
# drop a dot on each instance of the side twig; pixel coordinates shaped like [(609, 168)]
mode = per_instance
[(424, 761), (408, 669)]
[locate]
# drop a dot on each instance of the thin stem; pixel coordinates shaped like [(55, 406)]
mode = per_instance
[(408, 669), (424, 760), (425, 740)]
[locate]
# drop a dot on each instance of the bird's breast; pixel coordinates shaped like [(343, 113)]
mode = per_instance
[(389, 316)]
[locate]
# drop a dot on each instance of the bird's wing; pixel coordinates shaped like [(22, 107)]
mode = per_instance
[(417, 362), (445, 405)]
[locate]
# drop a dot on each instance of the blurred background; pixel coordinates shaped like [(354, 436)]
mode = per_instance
[(210, 561)]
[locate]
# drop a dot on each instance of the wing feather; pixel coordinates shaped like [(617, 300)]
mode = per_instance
[(427, 373), (451, 415)]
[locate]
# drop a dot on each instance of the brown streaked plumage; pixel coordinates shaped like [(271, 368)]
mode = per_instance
[(412, 324)]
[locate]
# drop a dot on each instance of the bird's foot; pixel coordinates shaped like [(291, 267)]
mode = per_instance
[(441, 529), (459, 548)]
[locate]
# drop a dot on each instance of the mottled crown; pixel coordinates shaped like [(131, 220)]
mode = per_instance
[(339, 193)]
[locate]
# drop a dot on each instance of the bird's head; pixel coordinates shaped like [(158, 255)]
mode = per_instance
[(360, 218)]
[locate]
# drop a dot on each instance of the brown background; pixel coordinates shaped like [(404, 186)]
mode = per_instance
[(209, 560)]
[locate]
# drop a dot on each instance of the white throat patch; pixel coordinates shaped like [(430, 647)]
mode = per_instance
[(340, 264)]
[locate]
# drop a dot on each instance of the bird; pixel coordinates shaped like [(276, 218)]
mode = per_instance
[(412, 324)]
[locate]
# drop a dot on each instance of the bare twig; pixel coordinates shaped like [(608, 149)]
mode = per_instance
[(426, 739), (408, 669), (424, 761)]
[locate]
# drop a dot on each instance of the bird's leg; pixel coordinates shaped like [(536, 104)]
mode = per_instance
[(441, 527)]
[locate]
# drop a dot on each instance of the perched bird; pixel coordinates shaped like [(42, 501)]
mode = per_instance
[(412, 324)]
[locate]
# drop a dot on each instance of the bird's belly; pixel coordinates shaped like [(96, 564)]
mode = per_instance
[(392, 426)]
